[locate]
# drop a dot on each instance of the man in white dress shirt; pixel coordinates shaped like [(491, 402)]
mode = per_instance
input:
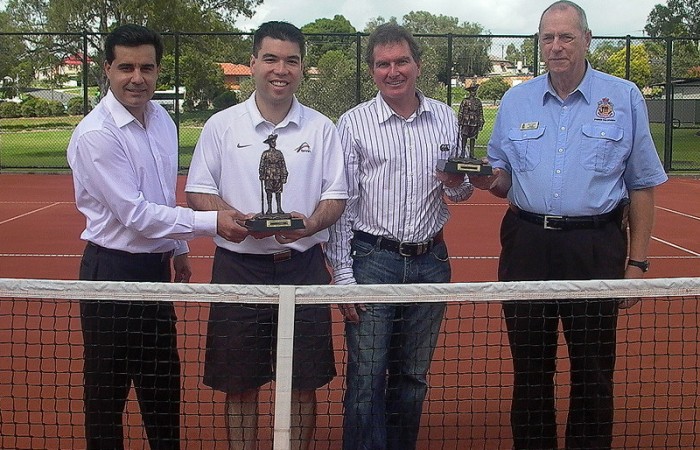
[(391, 232), (124, 161)]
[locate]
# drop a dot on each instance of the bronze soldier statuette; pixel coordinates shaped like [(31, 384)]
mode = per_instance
[(470, 121), (273, 175)]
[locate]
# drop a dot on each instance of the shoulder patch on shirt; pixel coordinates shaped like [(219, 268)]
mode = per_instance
[(605, 110), (529, 126)]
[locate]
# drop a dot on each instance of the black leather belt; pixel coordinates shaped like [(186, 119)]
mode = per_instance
[(550, 222), (284, 255), (406, 249), (162, 256)]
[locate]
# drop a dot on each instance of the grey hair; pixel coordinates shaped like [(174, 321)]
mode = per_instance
[(564, 4)]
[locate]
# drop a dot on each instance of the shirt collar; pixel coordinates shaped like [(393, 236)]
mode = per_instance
[(385, 112), (295, 114), (584, 88), (120, 114)]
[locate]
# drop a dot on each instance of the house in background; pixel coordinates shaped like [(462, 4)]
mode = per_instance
[(67, 71), (235, 74)]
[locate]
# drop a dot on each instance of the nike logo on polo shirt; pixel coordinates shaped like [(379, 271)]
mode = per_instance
[(243, 145), (305, 147)]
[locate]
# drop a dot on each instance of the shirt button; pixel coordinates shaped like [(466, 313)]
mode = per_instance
[(561, 150), (602, 133), (558, 171), (563, 128), (556, 195)]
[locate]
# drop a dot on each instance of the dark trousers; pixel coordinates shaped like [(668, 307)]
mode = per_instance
[(129, 342), (530, 252)]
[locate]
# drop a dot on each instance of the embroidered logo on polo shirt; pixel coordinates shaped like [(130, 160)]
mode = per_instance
[(606, 109), (305, 147), (239, 145)]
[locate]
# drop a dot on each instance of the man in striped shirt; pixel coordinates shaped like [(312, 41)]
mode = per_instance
[(391, 232)]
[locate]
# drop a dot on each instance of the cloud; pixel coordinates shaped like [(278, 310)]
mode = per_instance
[(618, 18)]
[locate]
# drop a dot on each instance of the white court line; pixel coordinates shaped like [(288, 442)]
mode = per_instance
[(673, 211), (670, 244), (29, 213), (675, 246), (56, 255), (70, 255)]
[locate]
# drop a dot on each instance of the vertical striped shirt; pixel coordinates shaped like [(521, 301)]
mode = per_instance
[(391, 171)]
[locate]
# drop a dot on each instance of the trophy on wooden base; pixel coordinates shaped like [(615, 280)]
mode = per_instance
[(273, 175), (470, 121)]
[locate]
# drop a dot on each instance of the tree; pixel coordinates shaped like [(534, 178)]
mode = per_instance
[(677, 18), (332, 89), (11, 61), (493, 89), (640, 68), (513, 54), (317, 46), (372, 24), (527, 50), (100, 17), (201, 77), (469, 53), (602, 52)]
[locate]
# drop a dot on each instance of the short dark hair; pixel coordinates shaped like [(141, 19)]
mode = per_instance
[(391, 33), (132, 35), (282, 31)]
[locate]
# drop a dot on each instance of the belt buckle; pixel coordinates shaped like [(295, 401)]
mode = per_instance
[(284, 255), (418, 248), (546, 224), (402, 249)]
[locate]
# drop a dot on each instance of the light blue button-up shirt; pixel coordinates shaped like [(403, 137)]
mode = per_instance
[(579, 156)]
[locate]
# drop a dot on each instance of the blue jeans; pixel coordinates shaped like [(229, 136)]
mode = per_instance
[(389, 351)]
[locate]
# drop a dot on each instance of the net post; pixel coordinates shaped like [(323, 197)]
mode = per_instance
[(283, 380)]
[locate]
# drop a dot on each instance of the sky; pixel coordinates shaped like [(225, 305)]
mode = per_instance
[(605, 17)]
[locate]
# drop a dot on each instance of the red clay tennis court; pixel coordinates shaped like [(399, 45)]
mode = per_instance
[(657, 375)]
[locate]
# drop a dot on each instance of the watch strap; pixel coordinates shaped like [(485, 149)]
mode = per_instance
[(644, 265)]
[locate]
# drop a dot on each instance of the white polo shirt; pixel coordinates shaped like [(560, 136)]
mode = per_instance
[(227, 158)]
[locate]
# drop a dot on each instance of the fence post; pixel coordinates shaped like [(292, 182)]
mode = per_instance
[(668, 123), (628, 56), (283, 380), (358, 68), (86, 67), (536, 53), (449, 69), (177, 97)]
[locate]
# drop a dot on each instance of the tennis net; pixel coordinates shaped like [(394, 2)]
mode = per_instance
[(657, 376)]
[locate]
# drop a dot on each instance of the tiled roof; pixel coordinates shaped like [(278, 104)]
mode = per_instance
[(235, 69)]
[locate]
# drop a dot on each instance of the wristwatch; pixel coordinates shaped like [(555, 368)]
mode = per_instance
[(644, 265)]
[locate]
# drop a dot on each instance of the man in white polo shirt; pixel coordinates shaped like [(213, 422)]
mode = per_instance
[(224, 175)]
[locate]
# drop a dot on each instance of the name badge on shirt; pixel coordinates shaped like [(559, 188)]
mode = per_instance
[(529, 126)]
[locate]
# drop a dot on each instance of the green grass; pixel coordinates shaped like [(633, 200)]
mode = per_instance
[(40, 143), (92, 91)]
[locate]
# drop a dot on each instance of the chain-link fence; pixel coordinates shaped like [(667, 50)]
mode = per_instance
[(57, 78)]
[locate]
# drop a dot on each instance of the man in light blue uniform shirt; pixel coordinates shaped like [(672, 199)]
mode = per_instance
[(573, 153)]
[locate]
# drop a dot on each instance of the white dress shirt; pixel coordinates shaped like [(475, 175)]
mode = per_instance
[(125, 175), (391, 170)]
